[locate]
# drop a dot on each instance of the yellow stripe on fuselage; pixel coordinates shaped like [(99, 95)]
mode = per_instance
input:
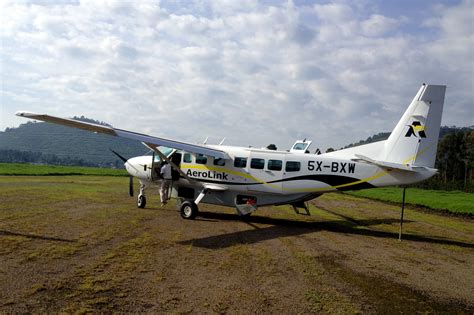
[(260, 181)]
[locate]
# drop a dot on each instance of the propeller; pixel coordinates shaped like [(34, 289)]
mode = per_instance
[(119, 156), (130, 187)]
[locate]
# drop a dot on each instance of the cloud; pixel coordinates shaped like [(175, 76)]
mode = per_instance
[(378, 25), (255, 73)]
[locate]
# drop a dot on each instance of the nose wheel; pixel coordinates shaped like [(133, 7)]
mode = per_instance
[(141, 202)]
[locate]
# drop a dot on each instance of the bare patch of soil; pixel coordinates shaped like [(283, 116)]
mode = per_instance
[(92, 250)]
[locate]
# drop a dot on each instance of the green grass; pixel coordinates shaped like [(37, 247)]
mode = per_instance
[(22, 169), (452, 201)]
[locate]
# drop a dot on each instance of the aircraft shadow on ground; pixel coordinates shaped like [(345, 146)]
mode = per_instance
[(34, 236), (284, 227)]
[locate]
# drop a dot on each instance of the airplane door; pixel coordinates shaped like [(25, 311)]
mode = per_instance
[(154, 170), (176, 159), (267, 169), (292, 168)]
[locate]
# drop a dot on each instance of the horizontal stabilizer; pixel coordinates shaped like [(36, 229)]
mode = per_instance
[(391, 165)]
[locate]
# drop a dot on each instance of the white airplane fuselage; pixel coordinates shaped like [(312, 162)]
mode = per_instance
[(274, 177)]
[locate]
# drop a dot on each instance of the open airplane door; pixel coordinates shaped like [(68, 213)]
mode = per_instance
[(176, 159), (153, 172)]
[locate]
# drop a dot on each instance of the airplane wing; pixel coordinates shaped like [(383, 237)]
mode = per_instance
[(188, 147)]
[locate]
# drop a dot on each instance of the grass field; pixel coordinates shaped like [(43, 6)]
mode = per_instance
[(452, 201), (78, 244), (21, 169)]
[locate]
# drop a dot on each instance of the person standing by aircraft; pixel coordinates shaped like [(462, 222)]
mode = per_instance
[(165, 183)]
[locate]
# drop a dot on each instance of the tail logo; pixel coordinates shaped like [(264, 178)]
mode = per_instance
[(416, 128)]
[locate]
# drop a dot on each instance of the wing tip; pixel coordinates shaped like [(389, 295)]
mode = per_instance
[(22, 113)]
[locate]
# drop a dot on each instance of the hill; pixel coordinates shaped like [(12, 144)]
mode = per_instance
[(54, 144)]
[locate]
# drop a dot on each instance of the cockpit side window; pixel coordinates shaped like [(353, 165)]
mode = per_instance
[(187, 158)]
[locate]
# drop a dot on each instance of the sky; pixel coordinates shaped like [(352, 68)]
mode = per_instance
[(255, 72)]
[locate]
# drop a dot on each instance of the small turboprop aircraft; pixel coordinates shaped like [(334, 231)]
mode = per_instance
[(246, 177)]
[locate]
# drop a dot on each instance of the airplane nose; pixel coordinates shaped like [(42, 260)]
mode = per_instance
[(131, 165)]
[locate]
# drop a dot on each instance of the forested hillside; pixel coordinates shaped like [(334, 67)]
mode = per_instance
[(54, 144)]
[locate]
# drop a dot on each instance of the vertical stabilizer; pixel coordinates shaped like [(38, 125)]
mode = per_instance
[(414, 140)]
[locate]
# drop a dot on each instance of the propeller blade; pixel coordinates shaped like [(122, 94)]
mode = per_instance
[(119, 156), (130, 188)]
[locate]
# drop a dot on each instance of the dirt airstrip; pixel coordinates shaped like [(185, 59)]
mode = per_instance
[(79, 244)]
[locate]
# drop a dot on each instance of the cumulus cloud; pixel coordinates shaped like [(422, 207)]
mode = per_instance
[(378, 25), (255, 73)]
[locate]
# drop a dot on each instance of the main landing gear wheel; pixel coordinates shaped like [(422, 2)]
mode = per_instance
[(141, 201), (189, 210)]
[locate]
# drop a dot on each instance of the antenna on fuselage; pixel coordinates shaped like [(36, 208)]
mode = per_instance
[(222, 141)]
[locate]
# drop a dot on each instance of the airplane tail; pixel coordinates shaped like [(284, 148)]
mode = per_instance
[(414, 140)]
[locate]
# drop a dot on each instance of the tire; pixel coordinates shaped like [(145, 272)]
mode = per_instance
[(188, 210), (141, 202)]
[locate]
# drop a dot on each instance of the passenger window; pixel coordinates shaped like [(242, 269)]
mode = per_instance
[(274, 165), (187, 158), (201, 159), (257, 163), (292, 166), (240, 162), (219, 162)]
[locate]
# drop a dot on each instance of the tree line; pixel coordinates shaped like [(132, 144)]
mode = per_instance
[(16, 156), (455, 162)]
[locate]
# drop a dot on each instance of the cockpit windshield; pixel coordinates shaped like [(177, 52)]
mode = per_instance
[(300, 146)]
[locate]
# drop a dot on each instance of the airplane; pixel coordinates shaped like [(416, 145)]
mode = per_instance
[(247, 178)]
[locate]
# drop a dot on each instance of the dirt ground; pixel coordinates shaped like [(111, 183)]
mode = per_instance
[(79, 244)]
